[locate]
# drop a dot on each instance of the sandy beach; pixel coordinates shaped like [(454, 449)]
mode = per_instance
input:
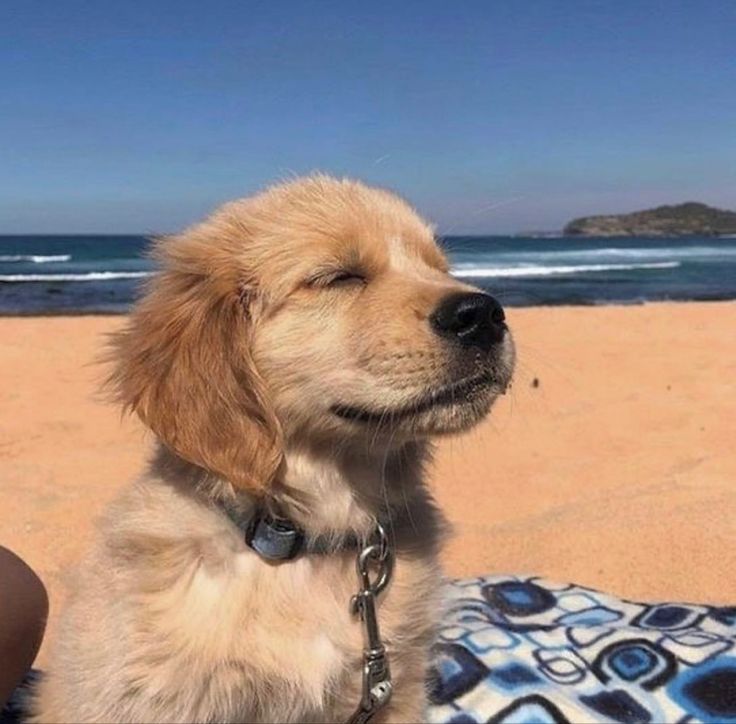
[(611, 462)]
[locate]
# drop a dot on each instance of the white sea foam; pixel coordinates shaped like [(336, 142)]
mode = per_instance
[(545, 271), (613, 254), (35, 258), (86, 277)]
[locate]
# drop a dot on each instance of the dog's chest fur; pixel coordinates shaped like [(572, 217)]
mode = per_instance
[(175, 619)]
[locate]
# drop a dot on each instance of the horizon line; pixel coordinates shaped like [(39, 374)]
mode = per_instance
[(531, 232)]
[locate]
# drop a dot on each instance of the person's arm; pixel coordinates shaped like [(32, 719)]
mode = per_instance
[(24, 607)]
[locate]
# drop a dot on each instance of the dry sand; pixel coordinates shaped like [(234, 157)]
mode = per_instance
[(615, 469)]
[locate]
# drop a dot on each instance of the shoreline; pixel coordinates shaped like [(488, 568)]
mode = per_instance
[(610, 463), (54, 314)]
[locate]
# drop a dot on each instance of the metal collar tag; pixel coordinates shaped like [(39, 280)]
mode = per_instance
[(275, 539)]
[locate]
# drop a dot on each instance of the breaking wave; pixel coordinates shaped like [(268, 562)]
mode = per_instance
[(546, 271), (86, 277)]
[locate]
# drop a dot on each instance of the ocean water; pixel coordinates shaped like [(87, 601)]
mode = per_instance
[(103, 274)]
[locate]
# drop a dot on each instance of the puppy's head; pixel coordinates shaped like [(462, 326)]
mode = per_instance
[(318, 310)]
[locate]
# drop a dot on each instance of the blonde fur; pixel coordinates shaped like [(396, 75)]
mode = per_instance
[(263, 318)]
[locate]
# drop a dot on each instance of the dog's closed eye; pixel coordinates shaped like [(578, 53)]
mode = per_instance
[(337, 278)]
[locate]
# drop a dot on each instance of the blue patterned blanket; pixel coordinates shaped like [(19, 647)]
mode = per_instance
[(530, 650), (526, 650)]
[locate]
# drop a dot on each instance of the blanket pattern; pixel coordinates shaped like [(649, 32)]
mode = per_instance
[(516, 649), (529, 651)]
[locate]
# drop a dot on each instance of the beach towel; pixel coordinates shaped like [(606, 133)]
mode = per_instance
[(517, 649), (527, 650)]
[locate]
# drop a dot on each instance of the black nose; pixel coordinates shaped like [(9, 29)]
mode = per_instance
[(474, 320)]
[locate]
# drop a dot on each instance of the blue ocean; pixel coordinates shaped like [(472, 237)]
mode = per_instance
[(103, 274)]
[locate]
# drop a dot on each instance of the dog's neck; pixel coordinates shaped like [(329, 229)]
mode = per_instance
[(324, 490), (331, 493)]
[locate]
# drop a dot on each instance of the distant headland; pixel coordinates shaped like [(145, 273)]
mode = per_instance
[(688, 219)]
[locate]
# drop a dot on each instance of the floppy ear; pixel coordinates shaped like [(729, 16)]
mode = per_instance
[(183, 364)]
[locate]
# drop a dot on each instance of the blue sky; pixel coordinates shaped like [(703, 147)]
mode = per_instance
[(491, 116)]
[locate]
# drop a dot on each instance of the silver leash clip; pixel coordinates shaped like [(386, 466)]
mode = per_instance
[(377, 685)]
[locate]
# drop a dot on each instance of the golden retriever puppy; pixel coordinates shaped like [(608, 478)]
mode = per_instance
[(295, 354)]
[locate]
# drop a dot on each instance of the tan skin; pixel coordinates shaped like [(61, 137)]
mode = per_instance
[(24, 607)]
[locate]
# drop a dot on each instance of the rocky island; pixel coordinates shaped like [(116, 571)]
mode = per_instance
[(688, 219)]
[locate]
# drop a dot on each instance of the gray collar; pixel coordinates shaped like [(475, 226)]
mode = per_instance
[(278, 539)]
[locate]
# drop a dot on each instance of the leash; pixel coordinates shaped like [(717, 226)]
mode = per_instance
[(377, 684), (278, 539)]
